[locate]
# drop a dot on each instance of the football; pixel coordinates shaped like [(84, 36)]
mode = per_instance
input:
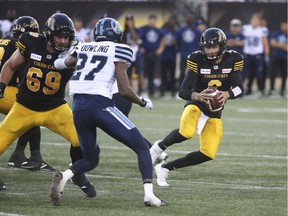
[(213, 104)]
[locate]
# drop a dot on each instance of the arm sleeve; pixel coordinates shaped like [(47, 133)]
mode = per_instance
[(187, 86)]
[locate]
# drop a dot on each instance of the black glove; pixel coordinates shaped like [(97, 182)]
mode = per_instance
[(2, 89)]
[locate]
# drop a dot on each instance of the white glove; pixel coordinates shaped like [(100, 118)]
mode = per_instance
[(68, 52), (148, 103)]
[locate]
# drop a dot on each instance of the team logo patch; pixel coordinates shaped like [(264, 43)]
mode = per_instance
[(226, 70), (205, 71), (49, 57), (215, 67), (35, 57)]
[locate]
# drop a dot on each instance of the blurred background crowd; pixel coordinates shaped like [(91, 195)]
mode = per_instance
[(163, 33)]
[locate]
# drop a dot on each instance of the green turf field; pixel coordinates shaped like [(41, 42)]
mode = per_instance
[(247, 178)]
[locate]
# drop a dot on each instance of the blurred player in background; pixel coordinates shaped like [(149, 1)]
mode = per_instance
[(131, 37), (93, 107), (256, 50), (150, 36), (168, 57), (213, 66), (40, 98), (278, 64), (235, 38), (188, 41), (8, 46)]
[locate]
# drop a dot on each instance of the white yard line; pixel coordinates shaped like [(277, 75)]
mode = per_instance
[(9, 214), (179, 151), (190, 182)]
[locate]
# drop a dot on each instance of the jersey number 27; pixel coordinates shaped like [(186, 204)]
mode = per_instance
[(90, 76)]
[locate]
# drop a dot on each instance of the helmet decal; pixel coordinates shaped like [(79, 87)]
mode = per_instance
[(108, 29)]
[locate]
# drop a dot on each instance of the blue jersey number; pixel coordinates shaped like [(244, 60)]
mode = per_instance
[(90, 76)]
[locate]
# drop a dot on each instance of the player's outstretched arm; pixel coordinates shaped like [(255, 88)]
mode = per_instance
[(65, 62), (125, 89)]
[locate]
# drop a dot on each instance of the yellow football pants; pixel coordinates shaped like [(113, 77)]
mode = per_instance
[(20, 119), (7, 102), (211, 134)]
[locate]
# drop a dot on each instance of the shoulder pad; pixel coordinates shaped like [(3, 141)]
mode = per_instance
[(28, 39), (124, 52), (237, 59), (193, 59), (195, 56), (235, 55)]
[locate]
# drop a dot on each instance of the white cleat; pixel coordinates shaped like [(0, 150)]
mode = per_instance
[(162, 175), (57, 188), (152, 200), (155, 151), (162, 158)]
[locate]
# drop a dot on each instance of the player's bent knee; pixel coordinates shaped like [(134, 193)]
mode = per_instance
[(188, 134), (210, 154)]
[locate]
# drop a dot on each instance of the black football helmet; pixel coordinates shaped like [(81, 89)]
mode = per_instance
[(108, 29), (24, 24), (59, 24), (211, 37)]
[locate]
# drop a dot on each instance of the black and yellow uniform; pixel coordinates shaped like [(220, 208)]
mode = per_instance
[(7, 47), (40, 99), (196, 116), (202, 74)]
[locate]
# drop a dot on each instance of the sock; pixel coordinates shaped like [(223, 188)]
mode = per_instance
[(68, 174), (148, 189), (75, 153), (36, 156), (34, 139), (172, 138), (190, 159), (34, 135)]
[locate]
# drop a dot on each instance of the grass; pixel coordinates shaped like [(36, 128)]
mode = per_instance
[(248, 176)]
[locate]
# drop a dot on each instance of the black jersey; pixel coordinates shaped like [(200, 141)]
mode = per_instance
[(42, 87), (202, 74), (7, 48)]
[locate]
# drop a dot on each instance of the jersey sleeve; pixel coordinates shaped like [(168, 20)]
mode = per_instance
[(192, 61), (238, 61), (191, 77), (25, 42), (235, 78), (123, 53)]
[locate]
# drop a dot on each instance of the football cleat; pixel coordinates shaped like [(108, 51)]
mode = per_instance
[(155, 151), (2, 185), (162, 158), (57, 188), (26, 164), (46, 167), (162, 175), (153, 201), (82, 182)]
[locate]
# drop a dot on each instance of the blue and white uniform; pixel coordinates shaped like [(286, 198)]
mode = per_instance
[(92, 88), (254, 54)]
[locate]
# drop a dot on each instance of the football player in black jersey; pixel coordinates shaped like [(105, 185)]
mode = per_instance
[(40, 98), (8, 46), (211, 66)]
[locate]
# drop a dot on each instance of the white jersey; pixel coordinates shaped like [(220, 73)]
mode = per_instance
[(95, 73), (253, 42)]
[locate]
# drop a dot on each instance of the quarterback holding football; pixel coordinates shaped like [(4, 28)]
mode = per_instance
[(212, 78)]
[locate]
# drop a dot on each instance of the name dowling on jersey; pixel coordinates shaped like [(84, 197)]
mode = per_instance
[(95, 48)]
